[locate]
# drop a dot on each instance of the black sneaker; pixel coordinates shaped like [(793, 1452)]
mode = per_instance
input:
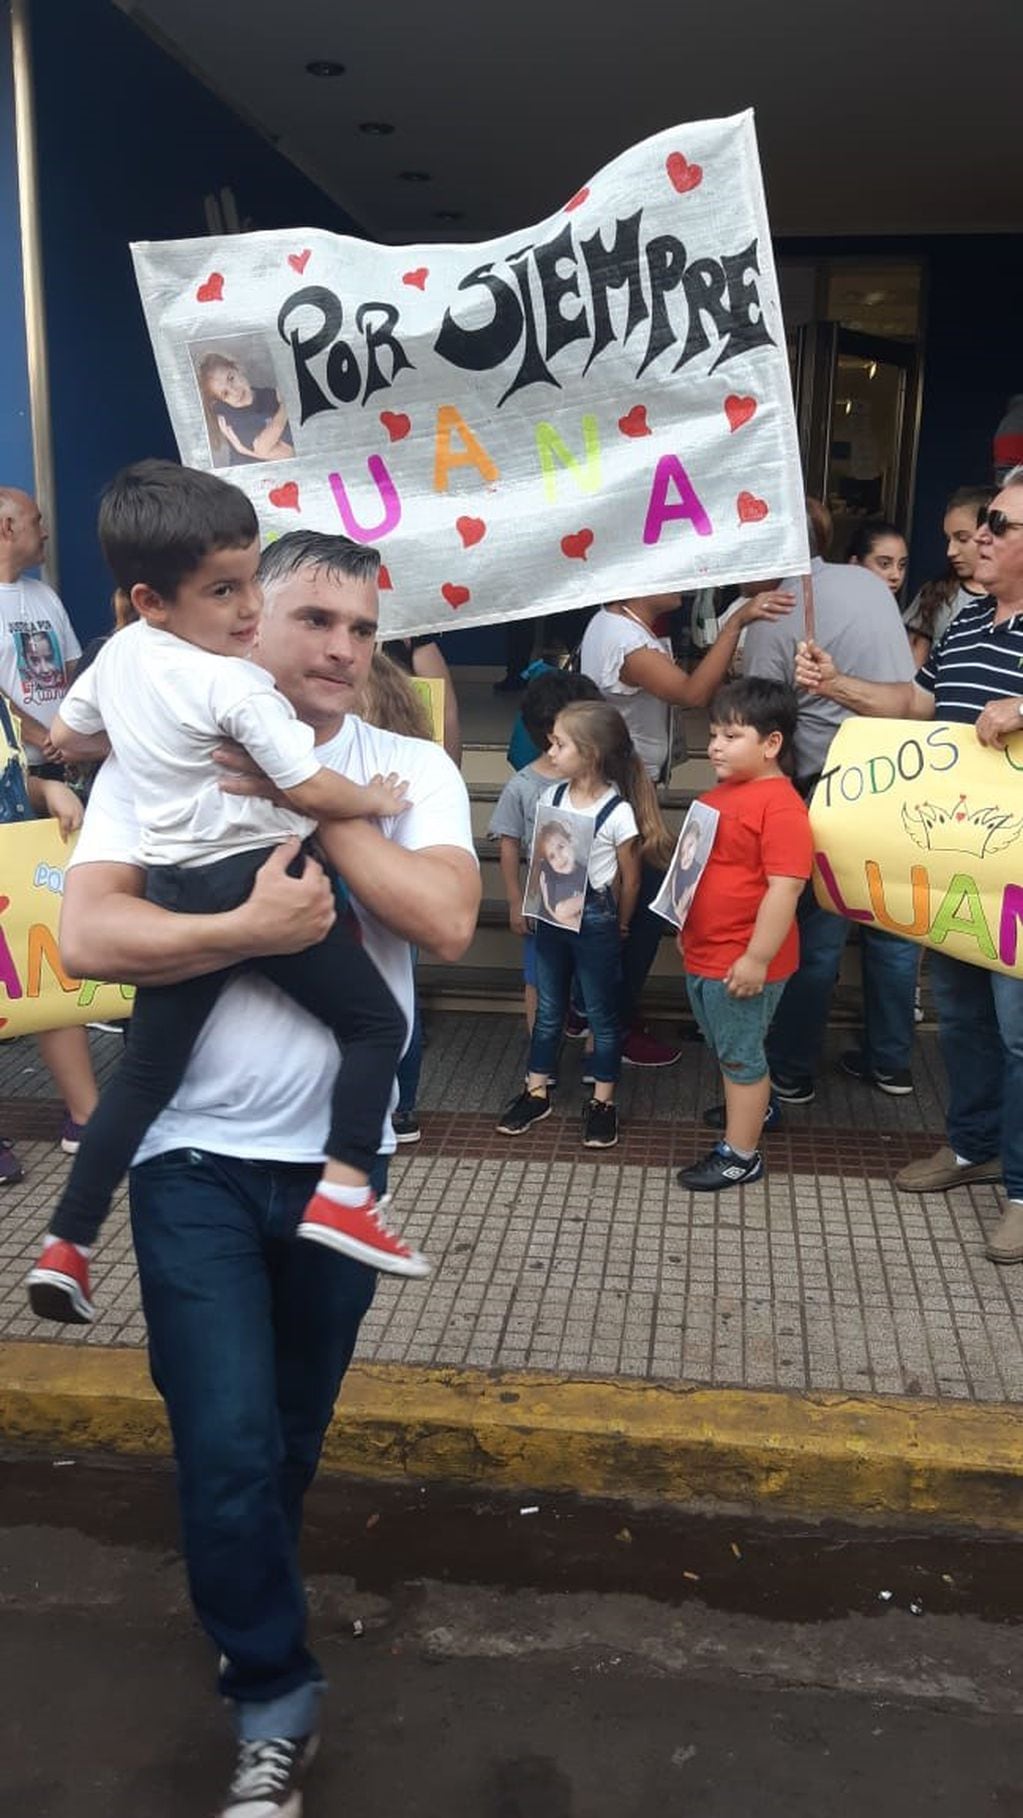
[(793, 1091), (600, 1125), (528, 1109), (897, 1085), (267, 1778), (715, 1116), (721, 1168), (405, 1125)]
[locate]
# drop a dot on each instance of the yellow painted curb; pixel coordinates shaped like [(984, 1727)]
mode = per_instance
[(768, 1451)]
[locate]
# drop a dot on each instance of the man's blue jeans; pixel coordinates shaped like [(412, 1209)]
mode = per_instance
[(890, 963), (250, 1334), (980, 1028)]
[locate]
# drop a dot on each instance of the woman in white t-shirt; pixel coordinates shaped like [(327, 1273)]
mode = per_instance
[(636, 672)]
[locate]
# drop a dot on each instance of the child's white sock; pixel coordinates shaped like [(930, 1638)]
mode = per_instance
[(83, 1249), (345, 1196)]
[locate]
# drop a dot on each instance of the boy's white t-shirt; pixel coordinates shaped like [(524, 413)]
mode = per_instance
[(619, 826), (37, 643), (165, 704), (260, 1076)]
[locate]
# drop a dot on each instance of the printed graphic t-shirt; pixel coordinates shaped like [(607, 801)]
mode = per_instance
[(37, 644), (764, 831)]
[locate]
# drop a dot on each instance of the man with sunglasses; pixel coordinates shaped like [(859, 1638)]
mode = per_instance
[(973, 677)]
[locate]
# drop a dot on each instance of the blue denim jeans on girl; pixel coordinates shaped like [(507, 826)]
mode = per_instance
[(594, 958)]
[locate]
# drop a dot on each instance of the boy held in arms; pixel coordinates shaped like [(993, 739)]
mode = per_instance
[(167, 691), (512, 820), (740, 942)]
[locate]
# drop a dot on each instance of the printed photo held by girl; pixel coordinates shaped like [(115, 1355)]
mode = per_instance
[(602, 777), (556, 886)]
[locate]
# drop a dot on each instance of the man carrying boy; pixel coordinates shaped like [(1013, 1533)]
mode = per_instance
[(739, 942), (250, 1332)]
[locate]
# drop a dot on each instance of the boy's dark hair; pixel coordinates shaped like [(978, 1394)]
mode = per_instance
[(547, 694), (768, 707), (158, 522)]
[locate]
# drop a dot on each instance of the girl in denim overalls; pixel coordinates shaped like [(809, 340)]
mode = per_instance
[(591, 749)]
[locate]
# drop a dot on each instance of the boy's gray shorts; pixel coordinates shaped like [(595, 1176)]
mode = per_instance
[(734, 1028)]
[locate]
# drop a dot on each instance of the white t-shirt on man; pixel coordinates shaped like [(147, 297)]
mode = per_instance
[(37, 645), (609, 638), (619, 826), (260, 1077), (165, 704)]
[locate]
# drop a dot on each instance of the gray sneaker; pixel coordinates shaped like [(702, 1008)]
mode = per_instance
[(1005, 1244), (935, 1173), (267, 1778)]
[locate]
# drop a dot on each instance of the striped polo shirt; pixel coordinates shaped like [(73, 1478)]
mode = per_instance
[(976, 662)]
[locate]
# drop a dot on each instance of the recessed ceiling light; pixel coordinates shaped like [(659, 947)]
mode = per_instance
[(323, 66), (447, 214), (377, 129), (414, 176)]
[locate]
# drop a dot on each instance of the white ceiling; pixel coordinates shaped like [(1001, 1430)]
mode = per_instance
[(883, 117)]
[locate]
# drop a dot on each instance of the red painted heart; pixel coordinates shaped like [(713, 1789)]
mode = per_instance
[(455, 596), (575, 546), (750, 508), (212, 290), (417, 279), (285, 497), (578, 199), (739, 411), (384, 582), (682, 175), (634, 423), (471, 530), (396, 423), (299, 261)]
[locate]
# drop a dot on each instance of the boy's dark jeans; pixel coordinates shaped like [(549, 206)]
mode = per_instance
[(335, 981)]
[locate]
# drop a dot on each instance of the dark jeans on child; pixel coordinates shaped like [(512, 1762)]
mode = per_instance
[(336, 981), (593, 957)]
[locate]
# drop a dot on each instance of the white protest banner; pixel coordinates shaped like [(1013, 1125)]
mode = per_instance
[(596, 407), (918, 829)]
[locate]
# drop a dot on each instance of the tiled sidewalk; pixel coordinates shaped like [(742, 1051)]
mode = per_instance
[(822, 1276)]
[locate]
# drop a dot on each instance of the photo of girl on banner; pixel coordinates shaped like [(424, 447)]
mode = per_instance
[(688, 864), (246, 420), (558, 864)]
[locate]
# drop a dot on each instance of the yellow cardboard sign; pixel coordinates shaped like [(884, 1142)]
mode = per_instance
[(918, 828), (35, 990), (430, 689)]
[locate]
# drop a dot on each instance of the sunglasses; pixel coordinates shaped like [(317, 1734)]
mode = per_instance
[(996, 521)]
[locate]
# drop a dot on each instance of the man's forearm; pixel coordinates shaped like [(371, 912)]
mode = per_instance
[(121, 937), (429, 898), (879, 700)]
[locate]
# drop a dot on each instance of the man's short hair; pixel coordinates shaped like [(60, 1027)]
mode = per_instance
[(159, 521), (753, 700), (337, 556), (1014, 477), (547, 694)]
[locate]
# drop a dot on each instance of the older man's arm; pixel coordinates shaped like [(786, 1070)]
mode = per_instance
[(108, 930), (429, 897), (816, 672)]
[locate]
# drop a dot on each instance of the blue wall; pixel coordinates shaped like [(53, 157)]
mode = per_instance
[(129, 145), (15, 423)]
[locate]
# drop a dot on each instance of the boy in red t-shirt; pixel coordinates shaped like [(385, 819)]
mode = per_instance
[(739, 942)]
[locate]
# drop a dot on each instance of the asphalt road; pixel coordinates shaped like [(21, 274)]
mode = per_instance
[(574, 1663)]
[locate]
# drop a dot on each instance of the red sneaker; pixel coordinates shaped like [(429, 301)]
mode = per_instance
[(58, 1287), (361, 1232), (642, 1050)]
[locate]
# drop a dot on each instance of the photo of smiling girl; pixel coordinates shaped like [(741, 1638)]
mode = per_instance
[(246, 421), (556, 885)]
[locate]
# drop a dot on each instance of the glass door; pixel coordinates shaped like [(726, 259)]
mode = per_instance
[(858, 401)]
